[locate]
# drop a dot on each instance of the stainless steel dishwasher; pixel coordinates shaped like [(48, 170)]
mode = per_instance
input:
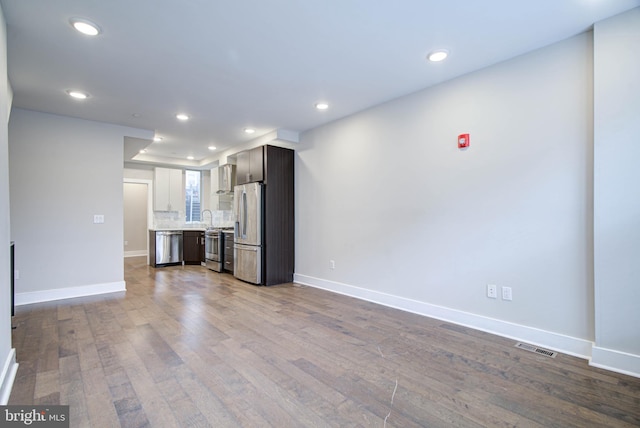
[(168, 247)]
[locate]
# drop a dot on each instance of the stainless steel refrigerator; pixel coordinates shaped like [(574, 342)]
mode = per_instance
[(248, 244)]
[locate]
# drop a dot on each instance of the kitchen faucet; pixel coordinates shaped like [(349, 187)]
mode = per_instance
[(210, 216)]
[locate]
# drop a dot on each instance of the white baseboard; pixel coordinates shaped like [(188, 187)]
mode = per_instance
[(7, 377), (136, 253), (616, 361), (68, 293), (557, 342)]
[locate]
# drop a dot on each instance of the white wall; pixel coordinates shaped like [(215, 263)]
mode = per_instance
[(617, 204), (8, 366), (205, 190), (138, 173), (412, 221), (63, 171)]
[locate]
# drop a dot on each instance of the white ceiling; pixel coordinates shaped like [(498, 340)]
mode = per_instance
[(261, 64)]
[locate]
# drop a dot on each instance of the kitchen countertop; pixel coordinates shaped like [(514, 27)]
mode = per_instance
[(172, 229)]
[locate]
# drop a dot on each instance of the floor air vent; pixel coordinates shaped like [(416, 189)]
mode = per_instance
[(535, 349)]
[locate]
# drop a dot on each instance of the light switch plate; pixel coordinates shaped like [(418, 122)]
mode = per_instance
[(98, 219)]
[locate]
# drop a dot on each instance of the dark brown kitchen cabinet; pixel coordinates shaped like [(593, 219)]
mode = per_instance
[(193, 247), (250, 165), (228, 252), (279, 223)]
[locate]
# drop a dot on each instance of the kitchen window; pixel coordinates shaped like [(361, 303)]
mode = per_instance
[(193, 193)]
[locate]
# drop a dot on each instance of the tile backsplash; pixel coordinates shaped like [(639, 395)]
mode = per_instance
[(175, 219), (222, 218)]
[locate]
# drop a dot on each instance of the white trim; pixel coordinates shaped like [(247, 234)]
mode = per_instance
[(558, 342), (7, 377), (620, 362), (68, 293), (136, 253)]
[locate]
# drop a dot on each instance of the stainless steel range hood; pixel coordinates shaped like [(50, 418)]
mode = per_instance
[(226, 178)]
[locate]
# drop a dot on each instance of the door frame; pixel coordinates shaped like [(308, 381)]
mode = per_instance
[(149, 184)]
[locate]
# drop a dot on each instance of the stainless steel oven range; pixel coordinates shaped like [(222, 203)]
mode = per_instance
[(214, 248)]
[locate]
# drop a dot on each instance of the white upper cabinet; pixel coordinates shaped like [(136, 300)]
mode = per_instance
[(168, 190), (213, 198)]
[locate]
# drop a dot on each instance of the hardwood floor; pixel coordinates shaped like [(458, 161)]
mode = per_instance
[(188, 347)]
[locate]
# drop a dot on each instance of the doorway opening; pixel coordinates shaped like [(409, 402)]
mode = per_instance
[(138, 217)]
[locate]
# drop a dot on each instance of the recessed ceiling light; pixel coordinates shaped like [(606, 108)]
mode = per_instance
[(79, 95), (85, 27), (157, 139), (249, 130), (143, 151), (322, 106), (136, 115), (190, 157), (182, 116), (212, 148), (439, 55)]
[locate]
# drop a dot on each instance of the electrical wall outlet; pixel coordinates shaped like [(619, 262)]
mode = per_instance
[(506, 293), (492, 291), (98, 219), (16, 274), (332, 264)]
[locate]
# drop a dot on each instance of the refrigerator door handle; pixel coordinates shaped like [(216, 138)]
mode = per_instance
[(259, 213), (244, 214), (239, 215), (236, 213)]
